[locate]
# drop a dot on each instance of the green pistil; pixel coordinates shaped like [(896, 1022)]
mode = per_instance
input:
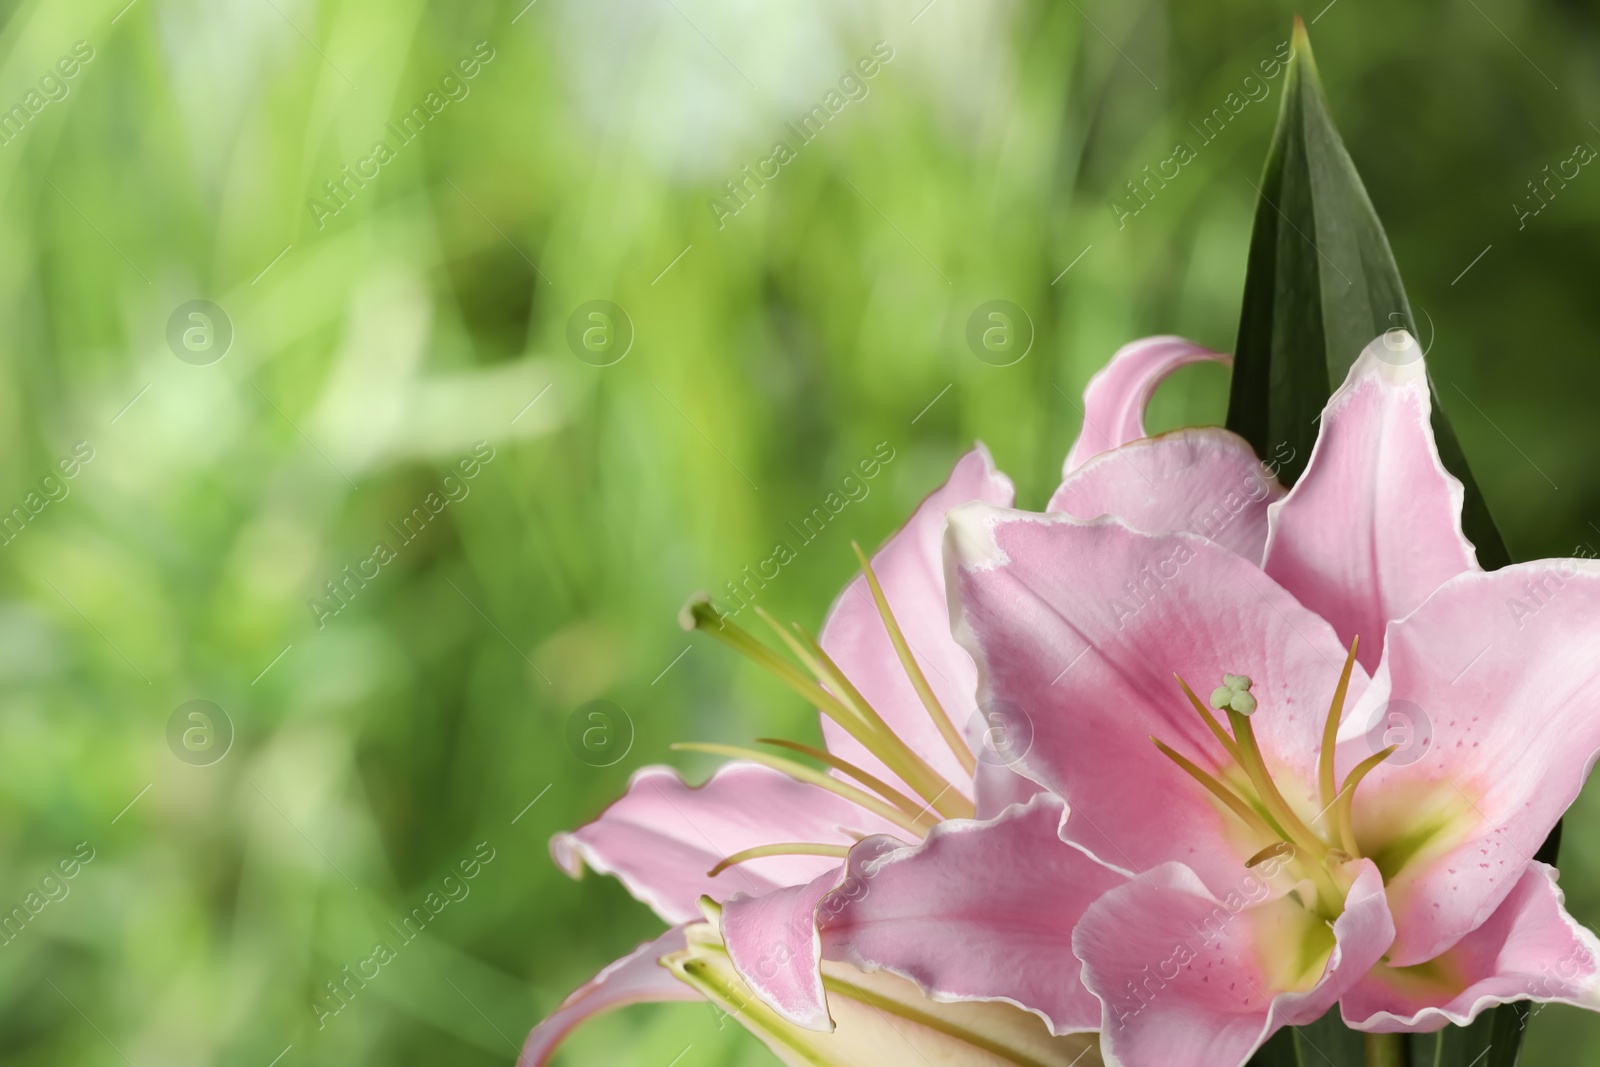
[(1318, 859), (1234, 695), (1255, 766)]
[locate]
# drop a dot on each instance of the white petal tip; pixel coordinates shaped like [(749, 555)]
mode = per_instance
[(969, 536), (1396, 355)]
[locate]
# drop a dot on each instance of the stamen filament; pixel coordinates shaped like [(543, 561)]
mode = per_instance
[(894, 753), (699, 614), (1256, 767), (1272, 851), (786, 848), (873, 782), (1210, 720), (861, 708), (1330, 730), (919, 682), (1344, 804), (810, 775), (998, 1049), (1236, 805)]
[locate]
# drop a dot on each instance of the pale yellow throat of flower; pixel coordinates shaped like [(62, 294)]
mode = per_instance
[(1252, 796), (879, 1018)]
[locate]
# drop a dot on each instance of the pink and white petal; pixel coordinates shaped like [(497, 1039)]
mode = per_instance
[(1116, 397), (636, 978), (999, 738), (1206, 481), (911, 571), (663, 836), (978, 911), (1185, 977), (1500, 673), (1081, 626), (881, 1020), (998, 786), (1530, 949), (773, 942), (1374, 524)]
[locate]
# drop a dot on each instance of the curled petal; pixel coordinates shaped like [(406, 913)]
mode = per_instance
[(773, 943), (997, 786), (1374, 524), (1114, 402), (663, 836), (979, 911), (637, 978), (1530, 949), (1205, 481), (1187, 977)]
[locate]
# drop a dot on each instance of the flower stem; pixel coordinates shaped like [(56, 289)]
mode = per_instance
[(1387, 1050)]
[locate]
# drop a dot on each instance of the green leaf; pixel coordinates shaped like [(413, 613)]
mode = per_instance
[(1322, 1043), (1320, 284)]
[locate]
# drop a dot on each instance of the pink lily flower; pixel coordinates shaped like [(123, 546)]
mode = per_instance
[(1187, 898), (766, 837)]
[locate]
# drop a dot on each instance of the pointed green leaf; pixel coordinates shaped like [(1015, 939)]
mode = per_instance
[(1320, 284)]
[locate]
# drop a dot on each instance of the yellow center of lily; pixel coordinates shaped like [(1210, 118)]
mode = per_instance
[(1260, 805)]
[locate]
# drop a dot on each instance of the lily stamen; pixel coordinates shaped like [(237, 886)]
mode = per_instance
[(1344, 803), (784, 848), (1279, 819), (927, 782), (1330, 729), (1210, 720), (919, 681), (1235, 804), (1255, 766), (801, 773), (871, 781), (1248, 754), (1276, 850), (856, 717)]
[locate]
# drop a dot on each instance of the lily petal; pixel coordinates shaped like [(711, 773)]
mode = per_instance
[(773, 943), (1498, 677), (998, 786), (663, 836), (1206, 481), (912, 574), (1186, 977), (637, 978), (1081, 626), (881, 1020), (1374, 524), (1115, 399), (979, 911), (1530, 949)]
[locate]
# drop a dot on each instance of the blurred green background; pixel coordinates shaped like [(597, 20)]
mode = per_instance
[(771, 349)]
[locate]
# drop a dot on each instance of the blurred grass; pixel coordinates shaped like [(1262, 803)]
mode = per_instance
[(377, 752)]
